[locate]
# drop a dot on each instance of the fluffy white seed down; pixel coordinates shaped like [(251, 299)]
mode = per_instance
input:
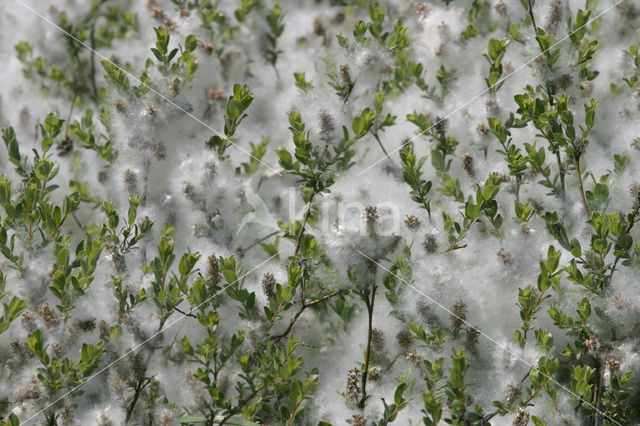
[(216, 210)]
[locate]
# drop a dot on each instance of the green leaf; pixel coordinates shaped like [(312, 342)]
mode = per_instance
[(115, 332), (489, 192), (194, 418), (53, 125), (397, 396), (363, 122), (472, 211), (190, 43), (13, 420), (286, 161)]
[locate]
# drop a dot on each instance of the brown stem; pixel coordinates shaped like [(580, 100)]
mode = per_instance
[(242, 251), (584, 200), (73, 102), (365, 373), (463, 234), (141, 383), (186, 314), (246, 400), (299, 312), (599, 389), (561, 171), (535, 310), (489, 416), (92, 41), (632, 222), (276, 71), (533, 19), (375, 135), (304, 223)]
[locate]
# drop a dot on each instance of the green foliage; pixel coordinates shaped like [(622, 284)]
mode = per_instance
[(246, 6), (380, 123), (127, 299), (496, 51), (585, 48), (433, 398), (84, 130), (598, 198), (72, 278), (539, 379), (283, 296), (412, 175), (593, 268), (131, 233), (536, 159), (514, 32), (530, 299), (399, 273), (548, 48), (184, 67), (341, 80), (267, 387), (31, 213), (63, 374), (524, 212), (456, 392), (256, 349), (443, 145), (621, 162), (485, 206), (276, 27), (12, 308), (391, 411), (614, 399), (257, 152), (301, 82), (445, 78), (513, 155), (12, 420), (117, 77), (476, 9), (177, 65), (315, 165), (555, 122), (633, 53), (167, 287), (98, 28), (237, 104), (577, 327), (432, 337)]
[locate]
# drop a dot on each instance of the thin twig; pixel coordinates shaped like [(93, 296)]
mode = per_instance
[(141, 383), (630, 225), (187, 314), (244, 401), (599, 389), (533, 19), (299, 312), (241, 250), (584, 200), (73, 102), (375, 135), (365, 373), (304, 223), (92, 41)]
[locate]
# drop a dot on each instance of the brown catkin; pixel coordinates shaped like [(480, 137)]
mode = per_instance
[(268, 286)]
